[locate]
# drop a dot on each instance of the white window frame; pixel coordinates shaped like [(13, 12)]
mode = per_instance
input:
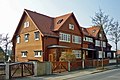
[(100, 54), (37, 35), (104, 44), (100, 35), (26, 37), (77, 53), (71, 26), (88, 39), (64, 37), (18, 39), (38, 53), (76, 39), (97, 42), (26, 24), (24, 54)]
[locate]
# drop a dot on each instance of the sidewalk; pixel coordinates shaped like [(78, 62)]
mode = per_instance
[(68, 75)]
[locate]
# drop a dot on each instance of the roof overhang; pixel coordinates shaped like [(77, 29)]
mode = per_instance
[(57, 46), (89, 49)]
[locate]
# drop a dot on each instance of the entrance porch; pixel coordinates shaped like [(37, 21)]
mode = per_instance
[(55, 52)]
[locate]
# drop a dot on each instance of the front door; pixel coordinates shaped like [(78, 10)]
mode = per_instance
[(50, 57)]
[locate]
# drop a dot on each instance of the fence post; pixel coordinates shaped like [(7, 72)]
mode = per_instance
[(83, 63), (35, 68), (21, 69), (68, 65), (7, 71)]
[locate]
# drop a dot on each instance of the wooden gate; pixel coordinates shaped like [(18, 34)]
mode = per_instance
[(21, 69), (2, 71), (59, 67)]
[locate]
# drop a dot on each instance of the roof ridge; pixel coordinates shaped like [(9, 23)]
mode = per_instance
[(37, 13), (64, 15)]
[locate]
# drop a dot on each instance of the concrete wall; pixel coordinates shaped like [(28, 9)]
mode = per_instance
[(42, 68)]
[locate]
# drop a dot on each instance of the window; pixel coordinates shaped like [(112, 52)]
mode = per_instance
[(38, 53), (100, 35), (76, 39), (97, 43), (59, 21), (77, 53), (64, 37), (36, 35), (24, 54), (100, 54), (71, 26), (88, 39), (104, 44), (18, 39), (26, 37), (26, 24)]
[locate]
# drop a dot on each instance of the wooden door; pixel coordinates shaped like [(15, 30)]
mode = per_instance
[(51, 57)]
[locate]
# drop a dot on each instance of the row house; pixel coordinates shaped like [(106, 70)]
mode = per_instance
[(95, 43), (43, 38)]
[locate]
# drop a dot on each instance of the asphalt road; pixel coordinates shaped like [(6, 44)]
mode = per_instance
[(106, 75)]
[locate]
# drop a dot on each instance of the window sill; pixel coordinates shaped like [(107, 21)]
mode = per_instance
[(26, 41), (36, 39), (37, 56), (24, 56)]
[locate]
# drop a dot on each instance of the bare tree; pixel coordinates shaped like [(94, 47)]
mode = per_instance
[(101, 19), (0, 38), (114, 34), (6, 42)]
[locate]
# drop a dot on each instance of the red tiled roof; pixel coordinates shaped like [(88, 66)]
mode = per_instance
[(63, 18), (47, 25), (93, 30), (85, 32), (43, 22)]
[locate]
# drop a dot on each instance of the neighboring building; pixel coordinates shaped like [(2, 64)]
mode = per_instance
[(93, 38), (118, 53), (43, 38)]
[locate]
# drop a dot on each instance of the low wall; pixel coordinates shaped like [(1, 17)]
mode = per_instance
[(97, 63), (76, 65), (42, 68)]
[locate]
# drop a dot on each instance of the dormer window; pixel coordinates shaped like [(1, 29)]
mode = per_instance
[(94, 31), (26, 24), (59, 21), (71, 26)]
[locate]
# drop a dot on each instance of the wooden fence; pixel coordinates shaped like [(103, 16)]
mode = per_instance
[(69, 66)]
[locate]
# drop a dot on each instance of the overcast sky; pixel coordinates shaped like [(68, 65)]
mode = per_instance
[(11, 10)]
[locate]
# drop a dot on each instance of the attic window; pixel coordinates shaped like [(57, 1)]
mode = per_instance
[(94, 31), (82, 29), (71, 26), (26, 24), (59, 21)]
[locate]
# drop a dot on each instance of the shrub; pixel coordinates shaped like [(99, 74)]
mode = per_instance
[(68, 56)]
